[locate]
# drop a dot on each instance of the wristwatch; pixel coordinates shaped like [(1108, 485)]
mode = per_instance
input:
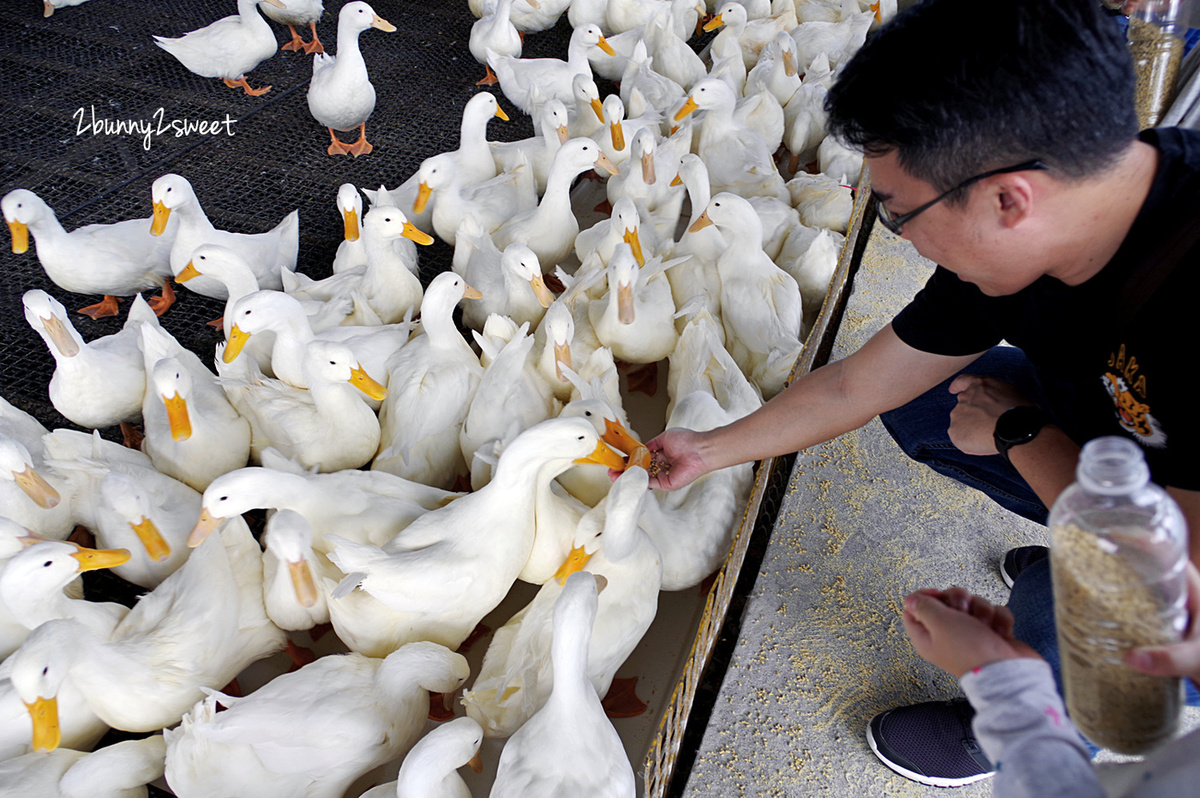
[(1018, 425)]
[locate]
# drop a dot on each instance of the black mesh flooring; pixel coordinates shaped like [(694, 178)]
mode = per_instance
[(99, 58)]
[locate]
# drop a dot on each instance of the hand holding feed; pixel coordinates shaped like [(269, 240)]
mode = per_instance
[(981, 400), (1177, 659), (959, 632), (676, 459)]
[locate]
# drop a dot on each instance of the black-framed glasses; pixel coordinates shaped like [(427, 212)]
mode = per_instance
[(896, 223)]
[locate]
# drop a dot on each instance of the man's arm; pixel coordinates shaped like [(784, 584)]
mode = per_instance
[(885, 373)]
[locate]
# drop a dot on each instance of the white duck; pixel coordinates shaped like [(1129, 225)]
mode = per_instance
[(557, 348), (822, 201), (432, 380), (293, 573), (752, 35), (32, 583), (195, 631), (357, 713), (697, 280), (231, 269), (839, 40), (528, 82), (488, 204), (192, 432), (648, 178), (494, 31), (538, 151), (657, 90), (601, 240), (776, 70), (569, 747), (340, 95), (736, 155), (636, 318), (760, 303), (806, 121), (539, 15), (116, 259), (120, 770), (227, 48), (510, 282), (550, 228), (510, 399), (693, 528), (266, 253), (440, 577), (613, 140), (388, 282), (326, 426), (588, 116), (28, 495), (516, 677), (119, 495), (430, 768), (350, 252), (369, 506), (281, 317), (299, 12), (701, 362), (96, 384)]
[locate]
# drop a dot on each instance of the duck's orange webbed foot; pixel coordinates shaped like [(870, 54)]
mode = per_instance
[(105, 307), (166, 299), (362, 146), (621, 700), (297, 43), (241, 83)]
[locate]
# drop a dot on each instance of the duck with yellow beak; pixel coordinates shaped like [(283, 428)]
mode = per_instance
[(327, 426), (440, 573), (340, 95), (32, 584)]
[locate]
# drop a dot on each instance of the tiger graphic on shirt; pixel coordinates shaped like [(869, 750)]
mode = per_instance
[(1128, 390)]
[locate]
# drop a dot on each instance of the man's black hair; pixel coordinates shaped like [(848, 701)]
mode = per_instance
[(957, 87)]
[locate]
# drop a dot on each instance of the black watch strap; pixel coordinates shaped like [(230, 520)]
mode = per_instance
[(1018, 425)]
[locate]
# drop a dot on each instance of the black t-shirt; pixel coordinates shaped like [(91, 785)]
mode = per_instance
[(1110, 364)]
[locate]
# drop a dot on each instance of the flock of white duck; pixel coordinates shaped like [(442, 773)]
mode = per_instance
[(702, 255)]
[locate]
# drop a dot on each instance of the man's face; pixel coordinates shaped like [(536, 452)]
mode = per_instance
[(967, 239)]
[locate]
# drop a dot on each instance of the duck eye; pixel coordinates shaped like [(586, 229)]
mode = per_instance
[(333, 362), (223, 499), (47, 563), (46, 671)]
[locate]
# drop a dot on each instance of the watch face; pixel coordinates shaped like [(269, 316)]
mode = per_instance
[(1018, 425)]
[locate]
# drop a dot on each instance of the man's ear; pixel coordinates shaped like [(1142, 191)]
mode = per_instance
[(1013, 199)]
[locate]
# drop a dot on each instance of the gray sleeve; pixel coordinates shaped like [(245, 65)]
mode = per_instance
[(1023, 727)]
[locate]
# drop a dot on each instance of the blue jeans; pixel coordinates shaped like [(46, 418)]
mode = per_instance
[(922, 430)]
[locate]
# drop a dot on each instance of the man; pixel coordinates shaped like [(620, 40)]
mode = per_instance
[(1008, 153)]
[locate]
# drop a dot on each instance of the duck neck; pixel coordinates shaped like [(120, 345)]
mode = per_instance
[(348, 54), (248, 11), (438, 323), (569, 654), (577, 53)]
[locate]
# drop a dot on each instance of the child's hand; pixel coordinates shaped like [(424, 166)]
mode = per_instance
[(959, 632)]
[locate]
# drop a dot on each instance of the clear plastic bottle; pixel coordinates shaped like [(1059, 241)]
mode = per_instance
[(1156, 42), (1118, 558)]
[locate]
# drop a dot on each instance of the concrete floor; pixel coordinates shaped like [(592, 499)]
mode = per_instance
[(822, 647)]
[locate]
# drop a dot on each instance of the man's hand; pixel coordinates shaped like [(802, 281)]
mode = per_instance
[(676, 459), (959, 632), (1178, 659), (981, 400)]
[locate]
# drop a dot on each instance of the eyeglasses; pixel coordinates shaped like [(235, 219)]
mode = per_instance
[(896, 223)]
